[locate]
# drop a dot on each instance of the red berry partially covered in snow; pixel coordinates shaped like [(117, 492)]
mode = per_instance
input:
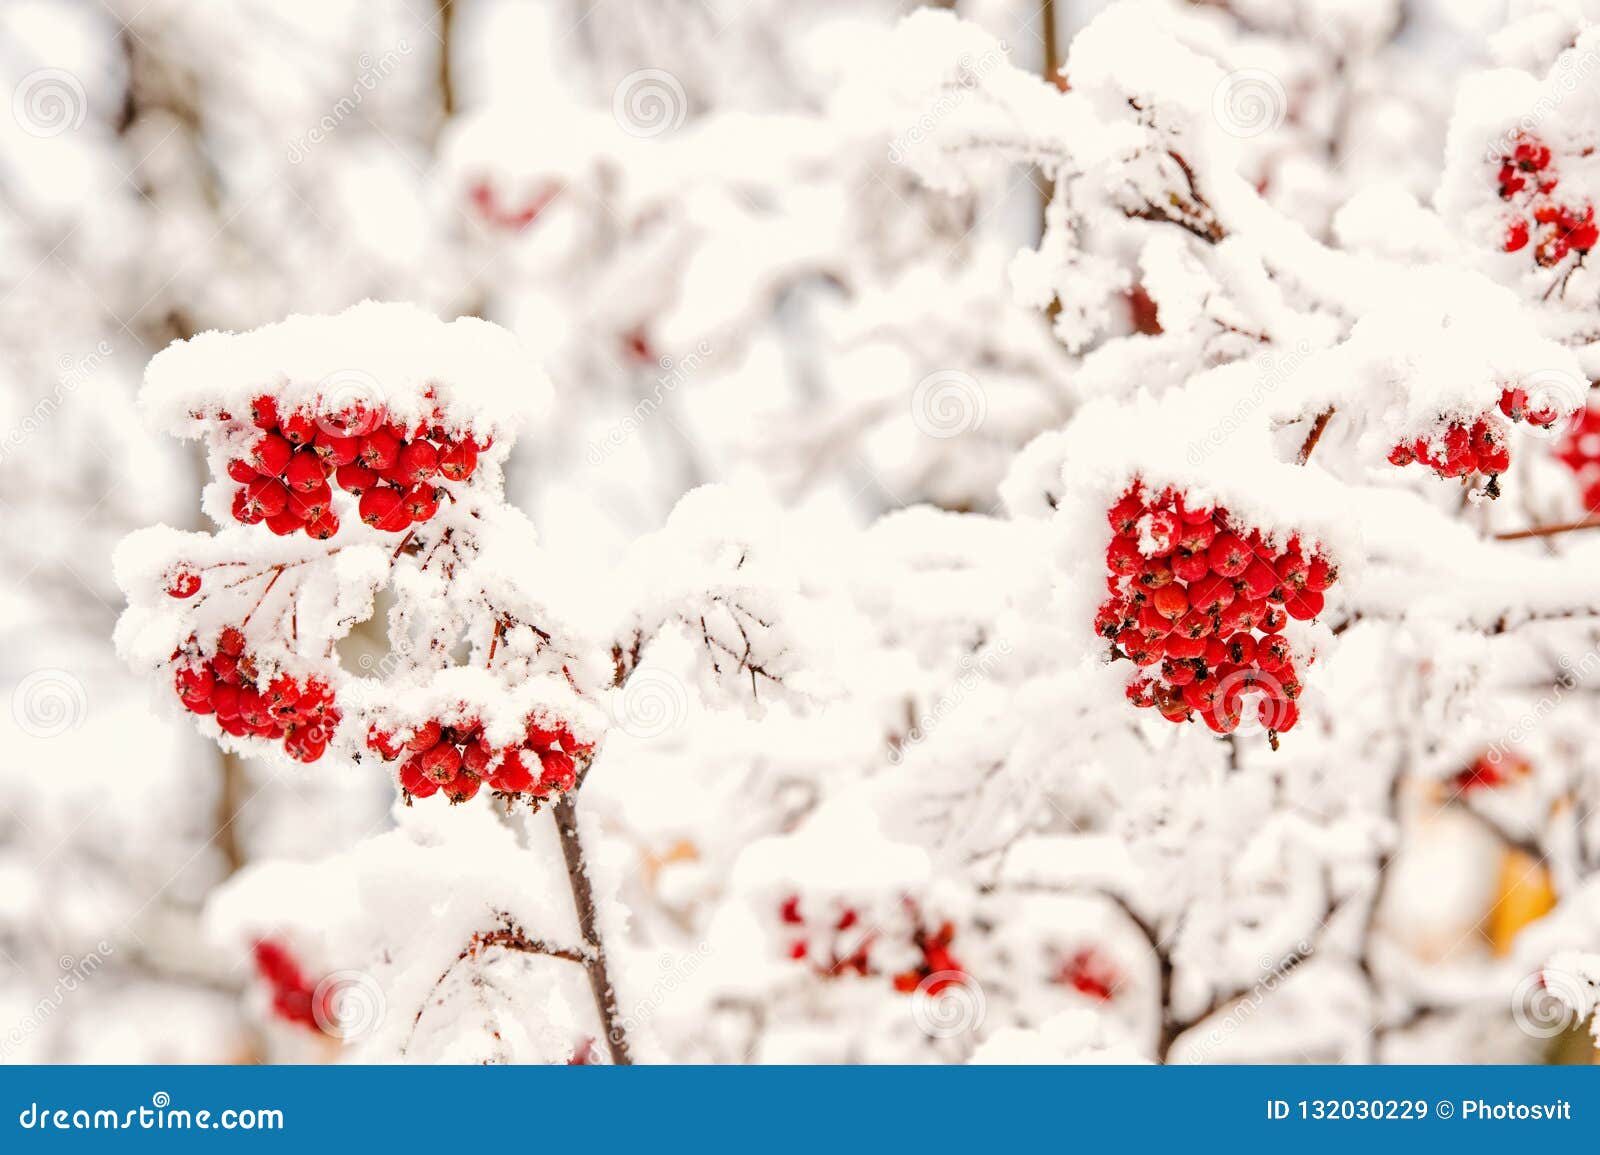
[(183, 582)]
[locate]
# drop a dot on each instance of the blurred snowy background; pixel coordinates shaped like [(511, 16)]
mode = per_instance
[(682, 206)]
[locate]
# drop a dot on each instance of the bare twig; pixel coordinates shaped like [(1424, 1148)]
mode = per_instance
[(1549, 530), (1317, 427), (605, 995)]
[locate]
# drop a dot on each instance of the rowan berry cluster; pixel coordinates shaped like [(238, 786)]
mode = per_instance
[(1463, 450), (1089, 973), (1579, 451), (838, 945), (829, 947), (937, 968), (248, 701), (287, 473), (457, 760), (1200, 602), (1528, 181), (1486, 773), (512, 218), (294, 997)]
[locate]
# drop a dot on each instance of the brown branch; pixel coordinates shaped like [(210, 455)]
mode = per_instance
[(446, 81), (1315, 435), (605, 995), (1549, 530)]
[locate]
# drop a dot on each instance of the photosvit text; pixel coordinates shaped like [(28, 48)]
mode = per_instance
[(1401, 1110)]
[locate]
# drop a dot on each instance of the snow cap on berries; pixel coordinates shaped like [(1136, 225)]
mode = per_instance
[(395, 357)]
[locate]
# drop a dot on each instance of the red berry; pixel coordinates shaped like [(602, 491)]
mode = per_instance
[(1303, 605), (285, 523), (194, 682), (1272, 653), (384, 743), (298, 428), (462, 787), (1197, 536), (264, 412), (323, 527), (1125, 514), (1171, 601), (1277, 714), (266, 497), (1228, 555), (1260, 579), (183, 582), (225, 700), (304, 472), (424, 737), (313, 504), (557, 771), (270, 454), (1190, 567), (1516, 234), (378, 506), (306, 744), (458, 461), (417, 462), (335, 450), (378, 449), (1293, 570), (242, 471), (1213, 590), (441, 762), (513, 775), (353, 478), (422, 502), (1160, 529)]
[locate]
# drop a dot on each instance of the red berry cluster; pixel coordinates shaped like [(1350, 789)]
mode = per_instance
[(1464, 450), (294, 998), (456, 759), (833, 951), (284, 475), (229, 684), (936, 960), (1486, 773), (1579, 451), (836, 957), (508, 217), (1088, 973), (1527, 180), (1202, 605)]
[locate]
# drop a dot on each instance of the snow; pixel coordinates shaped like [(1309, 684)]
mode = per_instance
[(379, 355)]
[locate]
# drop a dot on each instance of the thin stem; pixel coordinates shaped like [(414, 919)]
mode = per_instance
[(1315, 435), (605, 995), (1549, 530)]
